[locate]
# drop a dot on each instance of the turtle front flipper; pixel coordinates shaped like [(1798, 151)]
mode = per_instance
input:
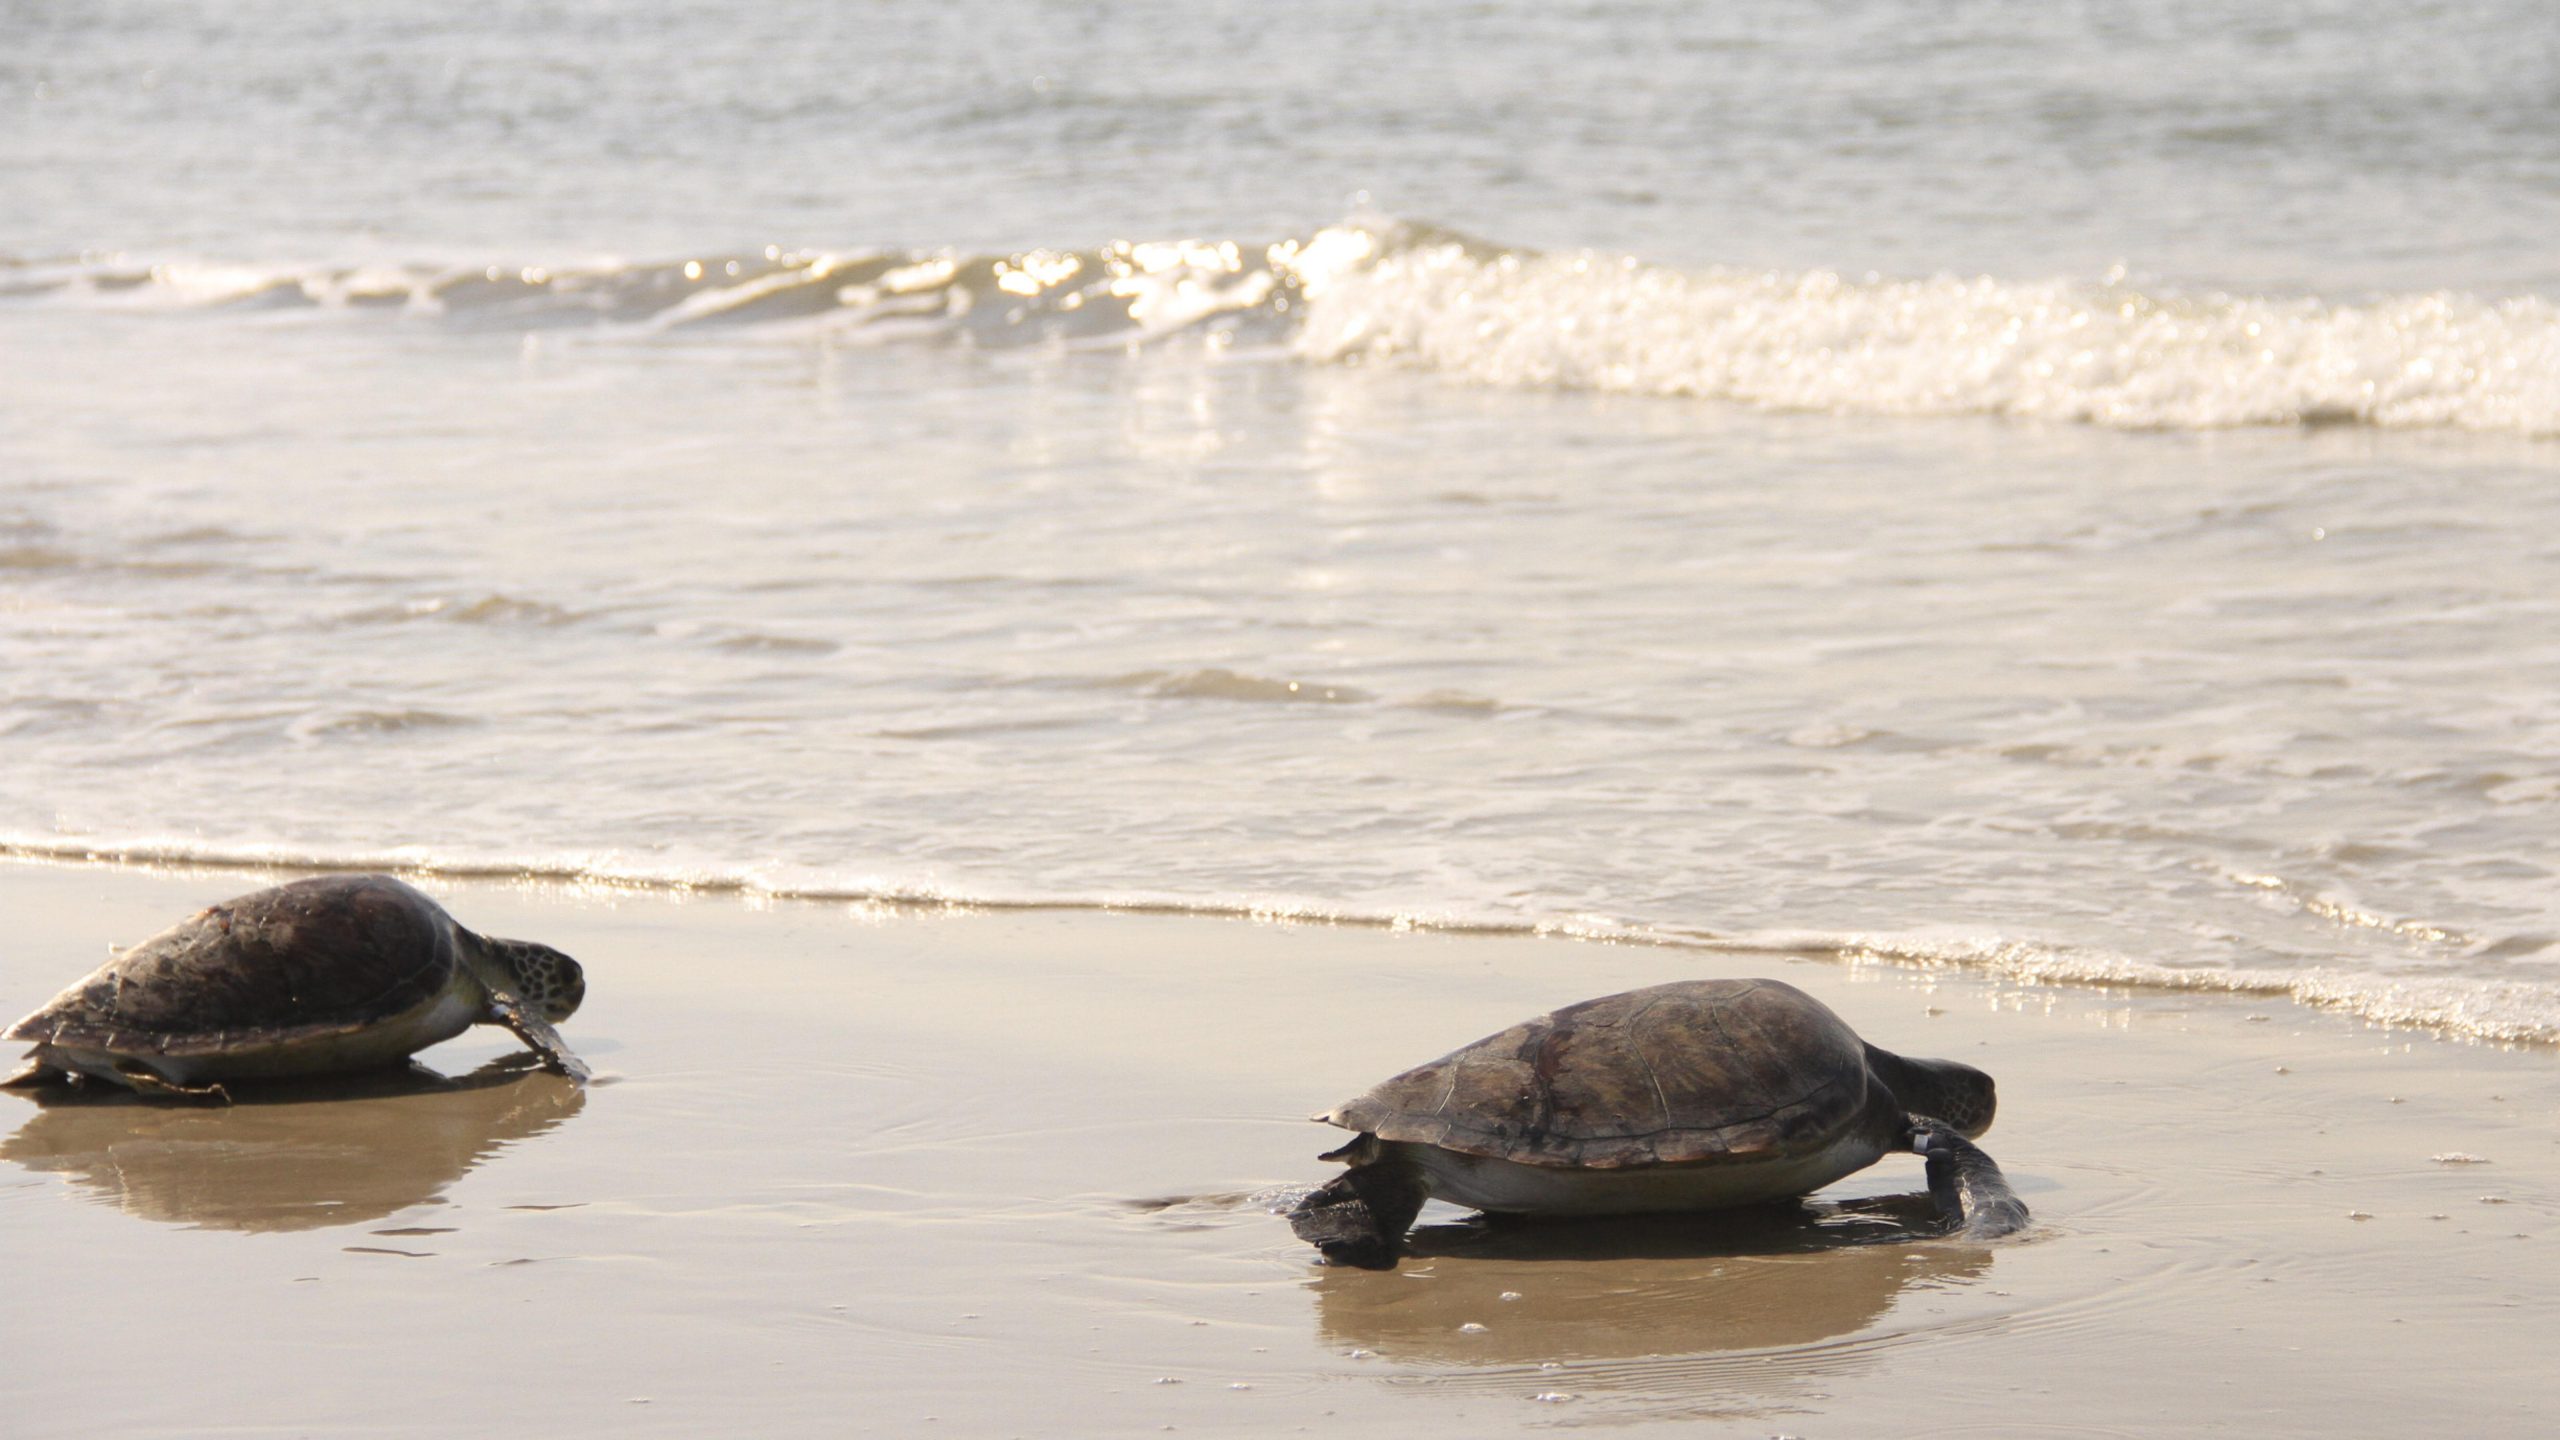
[(1360, 1216), (1972, 1194), (537, 1032)]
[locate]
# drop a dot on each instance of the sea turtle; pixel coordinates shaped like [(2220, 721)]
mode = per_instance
[(337, 973), (1697, 1095)]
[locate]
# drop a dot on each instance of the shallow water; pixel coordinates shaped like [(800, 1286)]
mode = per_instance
[(2021, 489)]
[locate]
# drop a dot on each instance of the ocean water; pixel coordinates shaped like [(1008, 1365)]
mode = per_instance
[(2031, 487)]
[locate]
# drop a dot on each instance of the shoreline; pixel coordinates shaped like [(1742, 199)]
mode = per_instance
[(2442, 1008), (849, 1167)]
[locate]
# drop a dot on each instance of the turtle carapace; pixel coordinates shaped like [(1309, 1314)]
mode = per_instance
[(1692, 1096)]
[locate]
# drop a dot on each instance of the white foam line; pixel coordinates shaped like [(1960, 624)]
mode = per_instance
[(2508, 1012)]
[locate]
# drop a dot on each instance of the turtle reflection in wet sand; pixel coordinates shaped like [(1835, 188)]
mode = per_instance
[(331, 1151), (330, 975), (1699, 1095)]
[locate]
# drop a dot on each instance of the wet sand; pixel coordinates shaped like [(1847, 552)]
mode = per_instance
[(855, 1171)]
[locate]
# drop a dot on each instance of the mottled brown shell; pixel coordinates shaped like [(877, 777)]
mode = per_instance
[(1701, 1070), (315, 958)]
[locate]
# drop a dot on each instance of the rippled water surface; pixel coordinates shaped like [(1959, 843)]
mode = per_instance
[(2012, 486)]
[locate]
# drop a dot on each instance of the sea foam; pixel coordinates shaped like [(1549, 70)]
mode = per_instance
[(2101, 353), (2472, 1008)]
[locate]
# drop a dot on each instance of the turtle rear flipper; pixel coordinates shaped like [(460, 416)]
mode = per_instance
[(36, 1075), (537, 1032), (1972, 1195)]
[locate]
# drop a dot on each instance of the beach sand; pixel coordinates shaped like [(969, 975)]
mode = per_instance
[(858, 1170)]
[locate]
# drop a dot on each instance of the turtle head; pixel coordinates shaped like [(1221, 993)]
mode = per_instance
[(544, 978), (1958, 1094)]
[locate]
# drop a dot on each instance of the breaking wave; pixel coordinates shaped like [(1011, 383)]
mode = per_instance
[(2101, 351)]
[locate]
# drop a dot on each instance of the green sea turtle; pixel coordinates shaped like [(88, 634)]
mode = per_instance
[(339, 973), (1698, 1095)]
